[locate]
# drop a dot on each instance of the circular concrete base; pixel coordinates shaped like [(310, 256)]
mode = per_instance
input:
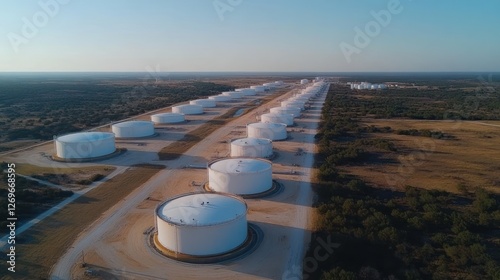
[(117, 152), (254, 238), (275, 188)]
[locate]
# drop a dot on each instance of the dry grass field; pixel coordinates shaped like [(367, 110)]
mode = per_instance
[(471, 159), (41, 246), (67, 177)]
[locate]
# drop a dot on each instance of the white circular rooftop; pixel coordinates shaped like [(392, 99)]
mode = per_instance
[(202, 209), (250, 141), (85, 136), (240, 165), (133, 124)]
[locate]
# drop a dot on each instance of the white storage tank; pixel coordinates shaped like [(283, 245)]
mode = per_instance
[(246, 91), (286, 110), (233, 94), (168, 118), (258, 88), (85, 145), (293, 103), (269, 85), (304, 81), (133, 129), (205, 103), (272, 131), (277, 118), (242, 176), (252, 147), (220, 98), (202, 224), (188, 109)]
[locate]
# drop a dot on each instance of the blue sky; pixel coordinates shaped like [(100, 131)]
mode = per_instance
[(248, 35)]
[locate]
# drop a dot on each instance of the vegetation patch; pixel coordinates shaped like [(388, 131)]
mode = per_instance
[(40, 247), (70, 105), (384, 233)]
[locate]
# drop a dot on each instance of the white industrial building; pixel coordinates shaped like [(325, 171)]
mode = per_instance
[(202, 224), (188, 109), (133, 129), (295, 111), (241, 176), (168, 118), (205, 103), (277, 118), (85, 145), (251, 147), (272, 131)]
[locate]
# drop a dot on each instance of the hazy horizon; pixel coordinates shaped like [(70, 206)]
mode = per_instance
[(281, 36)]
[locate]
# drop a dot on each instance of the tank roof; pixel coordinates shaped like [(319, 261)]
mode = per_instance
[(85, 136), (267, 125), (240, 165), (133, 124), (168, 114), (250, 141), (202, 209), (188, 106)]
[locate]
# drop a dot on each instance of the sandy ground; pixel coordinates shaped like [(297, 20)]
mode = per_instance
[(116, 247)]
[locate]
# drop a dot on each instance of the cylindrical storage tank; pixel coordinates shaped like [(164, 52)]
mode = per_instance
[(188, 109), (286, 110), (233, 94), (258, 88), (202, 224), (220, 98), (241, 176), (85, 145), (272, 131), (246, 91), (293, 103), (205, 103), (277, 118), (251, 147), (168, 118), (133, 129), (304, 81)]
